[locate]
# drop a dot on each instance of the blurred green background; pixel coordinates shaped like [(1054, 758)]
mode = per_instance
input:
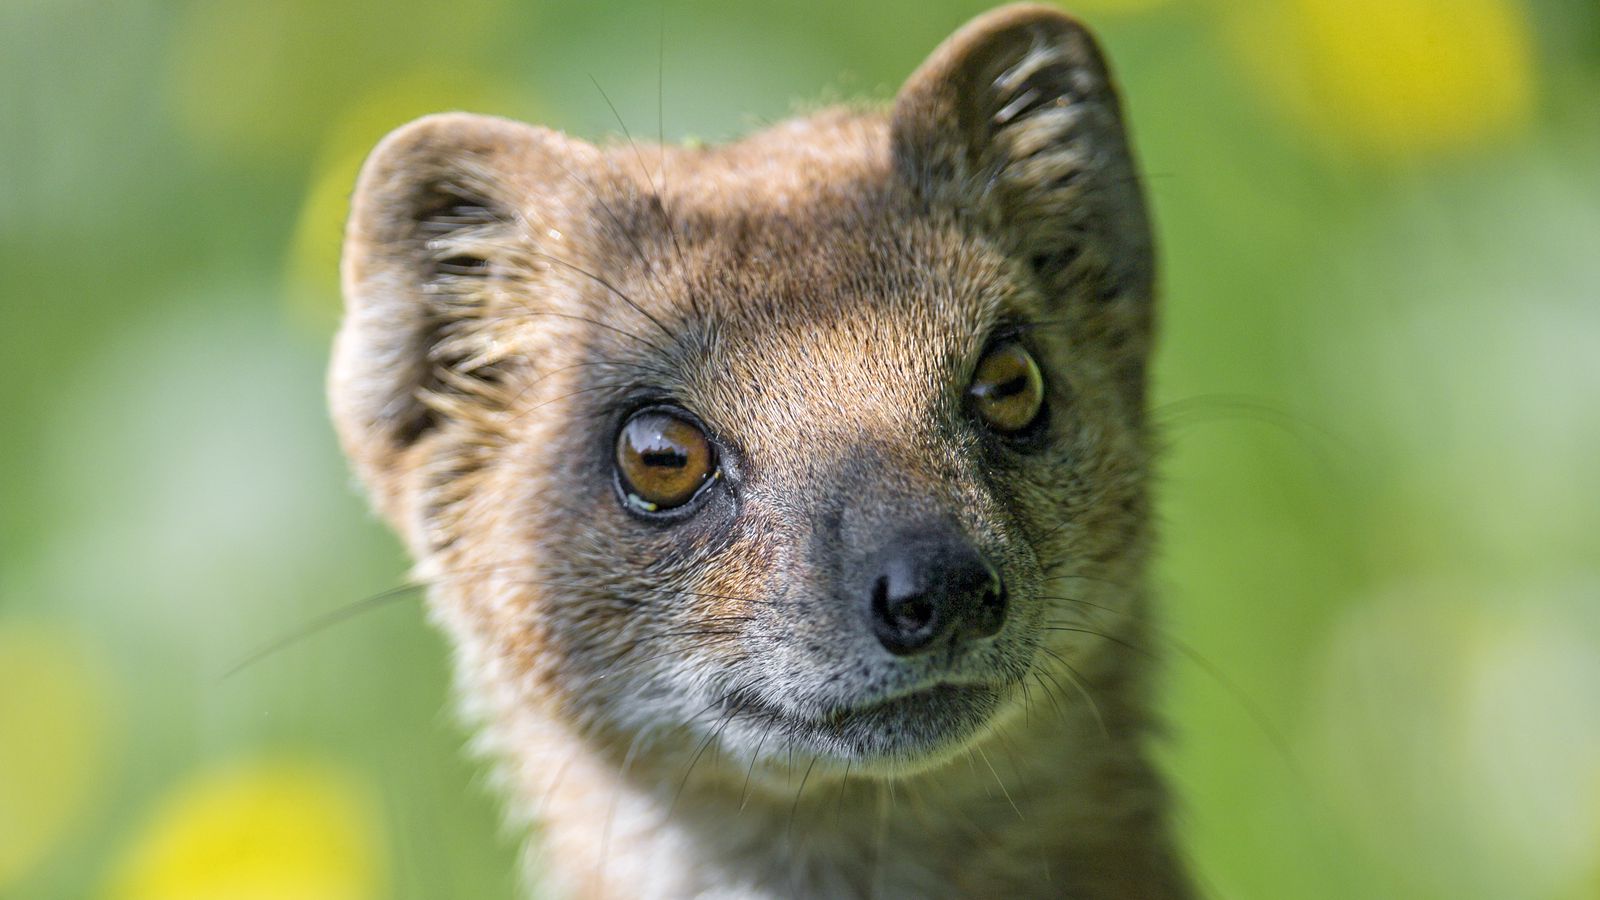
[(1379, 380)]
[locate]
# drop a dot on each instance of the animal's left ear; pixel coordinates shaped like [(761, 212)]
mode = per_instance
[(1014, 120)]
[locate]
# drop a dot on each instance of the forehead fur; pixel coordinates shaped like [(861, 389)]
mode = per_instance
[(790, 297)]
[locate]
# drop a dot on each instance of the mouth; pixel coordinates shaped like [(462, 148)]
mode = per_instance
[(911, 726)]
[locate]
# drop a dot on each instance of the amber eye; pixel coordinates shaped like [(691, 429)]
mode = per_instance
[(1007, 389), (663, 459)]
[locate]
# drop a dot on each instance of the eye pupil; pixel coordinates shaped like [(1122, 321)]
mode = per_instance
[(663, 459), (1011, 388)]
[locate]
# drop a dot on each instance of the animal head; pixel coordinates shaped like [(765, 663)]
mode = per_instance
[(822, 440)]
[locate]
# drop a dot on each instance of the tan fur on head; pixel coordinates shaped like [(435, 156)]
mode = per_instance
[(816, 298)]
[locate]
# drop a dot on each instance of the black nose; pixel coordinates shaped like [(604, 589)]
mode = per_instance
[(928, 591)]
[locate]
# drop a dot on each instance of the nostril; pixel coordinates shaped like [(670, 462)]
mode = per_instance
[(990, 616), (880, 598), (905, 619), (912, 616)]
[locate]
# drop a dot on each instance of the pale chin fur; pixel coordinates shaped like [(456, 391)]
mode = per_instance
[(897, 756)]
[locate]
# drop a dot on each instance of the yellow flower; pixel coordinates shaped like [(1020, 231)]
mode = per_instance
[(1392, 79), (261, 831), (52, 731)]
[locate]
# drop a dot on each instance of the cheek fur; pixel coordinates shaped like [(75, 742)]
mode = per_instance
[(724, 608)]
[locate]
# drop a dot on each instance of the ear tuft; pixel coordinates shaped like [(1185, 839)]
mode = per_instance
[(1015, 122), (456, 214)]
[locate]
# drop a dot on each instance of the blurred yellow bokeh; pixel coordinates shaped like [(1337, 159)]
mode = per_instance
[(313, 266), (1391, 80), (54, 695), (257, 831), (261, 81)]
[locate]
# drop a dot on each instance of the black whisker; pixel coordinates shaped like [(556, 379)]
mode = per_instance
[(795, 807), (671, 336), (663, 374), (1257, 714), (1201, 408), (639, 157), (598, 324), (659, 192), (587, 184), (732, 710), (744, 792), (375, 601), (1075, 678), (328, 619), (1002, 785)]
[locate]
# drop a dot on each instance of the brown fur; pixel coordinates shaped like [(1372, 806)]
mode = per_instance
[(818, 295)]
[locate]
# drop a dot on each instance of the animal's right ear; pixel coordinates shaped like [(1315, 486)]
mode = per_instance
[(1015, 118), (442, 223)]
